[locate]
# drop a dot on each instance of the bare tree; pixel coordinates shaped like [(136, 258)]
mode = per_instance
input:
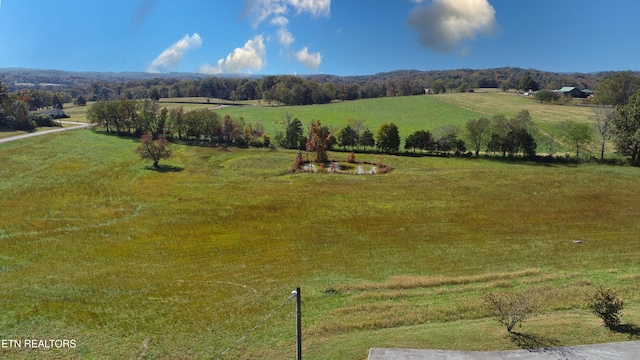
[(509, 309), (603, 118)]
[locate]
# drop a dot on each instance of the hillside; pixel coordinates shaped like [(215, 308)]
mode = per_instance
[(411, 113)]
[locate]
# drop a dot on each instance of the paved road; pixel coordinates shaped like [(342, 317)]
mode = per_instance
[(79, 125), (615, 351)]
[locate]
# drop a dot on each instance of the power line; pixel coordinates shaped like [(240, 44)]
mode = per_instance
[(255, 327)]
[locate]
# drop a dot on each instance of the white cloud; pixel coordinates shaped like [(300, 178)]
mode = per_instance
[(171, 56), (261, 10), (280, 21), (314, 7), (310, 61), (285, 37), (444, 24), (248, 58), (277, 11)]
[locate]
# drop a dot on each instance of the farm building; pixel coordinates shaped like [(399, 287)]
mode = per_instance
[(574, 92), (55, 113)]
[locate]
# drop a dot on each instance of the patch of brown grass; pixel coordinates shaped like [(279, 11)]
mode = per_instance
[(400, 282)]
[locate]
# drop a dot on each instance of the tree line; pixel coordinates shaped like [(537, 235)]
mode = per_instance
[(146, 117), (516, 136), (495, 136), (498, 135), (616, 119), (288, 89), (15, 113)]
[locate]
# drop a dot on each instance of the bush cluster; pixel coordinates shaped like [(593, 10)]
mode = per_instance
[(607, 305)]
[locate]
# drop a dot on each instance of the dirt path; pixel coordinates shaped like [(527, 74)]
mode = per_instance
[(79, 125), (219, 107)]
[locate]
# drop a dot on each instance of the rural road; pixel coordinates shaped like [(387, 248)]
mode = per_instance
[(613, 351), (79, 125)]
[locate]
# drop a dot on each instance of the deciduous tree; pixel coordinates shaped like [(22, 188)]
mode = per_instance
[(388, 138), (478, 133), (420, 139), (154, 150), (544, 96), (607, 305), (509, 309), (626, 128), (603, 118), (319, 141), (80, 101), (446, 138), (367, 139), (527, 83), (5, 106), (617, 89), (512, 136), (98, 114), (293, 138), (347, 137), (437, 87), (578, 134), (358, 126), (176, 120), (505, 85)]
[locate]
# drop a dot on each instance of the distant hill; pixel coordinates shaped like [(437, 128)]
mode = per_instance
[(481, 78), (282, 89), (37, 77)]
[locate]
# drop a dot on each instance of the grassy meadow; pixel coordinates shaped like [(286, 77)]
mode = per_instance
[(545, 116), (181, 262), (410, 113), (509, 104)]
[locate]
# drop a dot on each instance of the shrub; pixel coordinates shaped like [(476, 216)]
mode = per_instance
[(607, 305), (351, 158), (297, 163), (509, 309), (24, 124), (42, 120)]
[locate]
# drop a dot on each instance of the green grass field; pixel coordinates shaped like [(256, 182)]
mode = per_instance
[(182, 262), (132, 262), (410, 113), (509, 104)]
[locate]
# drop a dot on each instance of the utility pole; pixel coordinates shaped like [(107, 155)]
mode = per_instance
[(298, 326)]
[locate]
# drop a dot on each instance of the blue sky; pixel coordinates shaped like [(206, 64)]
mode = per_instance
[(341, 37)]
